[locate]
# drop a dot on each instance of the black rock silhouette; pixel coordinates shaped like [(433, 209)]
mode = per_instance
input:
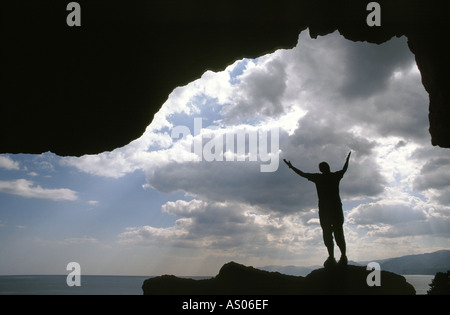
[(237, 279)]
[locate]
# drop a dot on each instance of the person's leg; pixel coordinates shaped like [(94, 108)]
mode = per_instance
[(327, 233), (340, 241), (328, 240), (340, 238)]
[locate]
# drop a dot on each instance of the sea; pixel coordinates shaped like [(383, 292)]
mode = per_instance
[(420, 282), (115, 285), (57, 285)]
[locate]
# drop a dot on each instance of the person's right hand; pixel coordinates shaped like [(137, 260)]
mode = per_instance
[(288, 163)]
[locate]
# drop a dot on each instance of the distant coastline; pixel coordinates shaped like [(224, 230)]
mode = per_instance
[(420, 264)]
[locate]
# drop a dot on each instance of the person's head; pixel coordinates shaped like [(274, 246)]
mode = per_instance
[(324, 167)]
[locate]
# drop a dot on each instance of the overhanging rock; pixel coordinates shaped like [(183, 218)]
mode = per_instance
[(89, 89)]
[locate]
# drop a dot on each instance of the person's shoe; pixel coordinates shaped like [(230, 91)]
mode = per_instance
[(330, 262), (343, 261)]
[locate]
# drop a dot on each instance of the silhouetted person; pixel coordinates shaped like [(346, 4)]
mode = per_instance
[(330, 207)]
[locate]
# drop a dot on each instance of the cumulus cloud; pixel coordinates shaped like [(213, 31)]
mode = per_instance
[(28, 189), (225, 227), (259, 92), (434, 174), (125, 160), (7, 163), (431, 174), (281, 191), (385, 212), (368, 67), (401, 214)]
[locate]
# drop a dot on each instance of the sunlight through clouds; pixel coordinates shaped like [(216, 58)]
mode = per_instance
[(380, 115)]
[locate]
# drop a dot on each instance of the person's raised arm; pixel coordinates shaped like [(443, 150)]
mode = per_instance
[(299, 172), (344, 169)]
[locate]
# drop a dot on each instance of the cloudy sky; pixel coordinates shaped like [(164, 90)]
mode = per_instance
[(158, 205)]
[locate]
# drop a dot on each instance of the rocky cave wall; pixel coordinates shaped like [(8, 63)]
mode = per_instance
[(93, 88)]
